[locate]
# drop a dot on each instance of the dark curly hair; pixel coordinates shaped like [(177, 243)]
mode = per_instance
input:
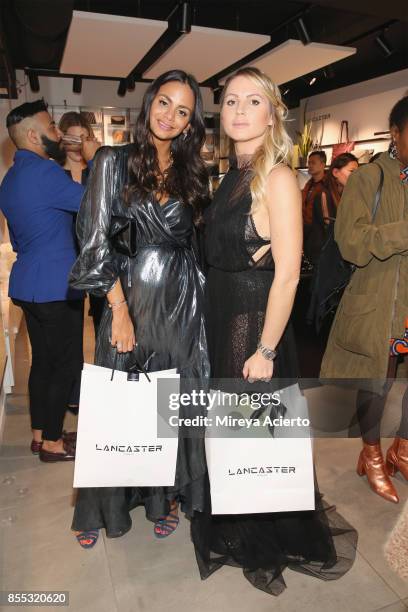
[(187, 177), (399, 114)]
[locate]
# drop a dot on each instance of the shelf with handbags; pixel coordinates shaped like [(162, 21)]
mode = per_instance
[(111, 125)]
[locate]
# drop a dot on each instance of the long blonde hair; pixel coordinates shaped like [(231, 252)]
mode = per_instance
[(277, 146)]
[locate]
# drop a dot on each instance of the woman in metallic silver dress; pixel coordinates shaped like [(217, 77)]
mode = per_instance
[(136, 229)]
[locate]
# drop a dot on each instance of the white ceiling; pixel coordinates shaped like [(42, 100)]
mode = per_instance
[(108, 45), (293, 59), (206, 51)]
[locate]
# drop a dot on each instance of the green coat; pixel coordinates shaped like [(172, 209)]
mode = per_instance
[(375, 303)]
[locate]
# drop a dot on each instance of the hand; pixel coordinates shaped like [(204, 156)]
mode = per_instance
[(257, 368), (123, 332), (89, 148)]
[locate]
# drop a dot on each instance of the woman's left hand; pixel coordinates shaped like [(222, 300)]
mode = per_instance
[(257, 368)]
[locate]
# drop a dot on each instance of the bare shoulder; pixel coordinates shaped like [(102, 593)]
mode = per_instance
[(282, 189), (282, 176)]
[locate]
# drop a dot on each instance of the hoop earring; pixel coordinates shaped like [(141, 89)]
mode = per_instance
[(393, 151), (185, 135)]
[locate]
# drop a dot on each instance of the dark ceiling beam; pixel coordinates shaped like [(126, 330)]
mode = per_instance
[(179, 23), (397, 9), (56, 73), (213, 80), (376, 30)]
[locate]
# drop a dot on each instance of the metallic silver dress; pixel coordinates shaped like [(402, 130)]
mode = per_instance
[(149, 247)]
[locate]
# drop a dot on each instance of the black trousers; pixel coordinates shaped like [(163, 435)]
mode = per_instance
[(55, 330), (370, 408)]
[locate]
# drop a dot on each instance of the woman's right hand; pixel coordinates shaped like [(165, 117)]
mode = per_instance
[(89, 148), (123, 332)]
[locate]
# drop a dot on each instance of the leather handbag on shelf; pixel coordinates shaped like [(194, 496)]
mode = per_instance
[(343, 146)]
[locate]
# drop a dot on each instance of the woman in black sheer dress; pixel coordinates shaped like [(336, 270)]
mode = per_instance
[(253, 247), (155, 289)]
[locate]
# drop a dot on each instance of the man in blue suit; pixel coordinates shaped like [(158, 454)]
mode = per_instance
[(39, 200)]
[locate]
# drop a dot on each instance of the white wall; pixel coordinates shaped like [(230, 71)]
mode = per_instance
[(365, 105)]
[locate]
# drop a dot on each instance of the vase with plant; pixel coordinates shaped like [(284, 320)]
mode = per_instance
[(305, 142)]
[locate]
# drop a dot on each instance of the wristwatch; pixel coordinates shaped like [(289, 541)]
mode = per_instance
[(266, 352)]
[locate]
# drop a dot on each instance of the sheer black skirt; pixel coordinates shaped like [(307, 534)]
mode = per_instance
[(319, 543)]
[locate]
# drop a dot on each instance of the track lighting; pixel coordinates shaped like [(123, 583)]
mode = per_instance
[(34, 82), (302, 31), (130, 83), (313, 80), (384, 45), (217, 94), (329, 72), (287, 90), (122, 88), (77, 84)]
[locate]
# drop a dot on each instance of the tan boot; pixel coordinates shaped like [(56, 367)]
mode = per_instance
[(371, 463), (397, 458)]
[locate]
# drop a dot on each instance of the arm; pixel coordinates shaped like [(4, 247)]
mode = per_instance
[(285, 221), (322, 211), (358, 238), (123, 333), (62, 192), (98, 267)]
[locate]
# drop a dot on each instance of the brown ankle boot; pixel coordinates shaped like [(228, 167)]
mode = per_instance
[(397, 458), (371, 463)]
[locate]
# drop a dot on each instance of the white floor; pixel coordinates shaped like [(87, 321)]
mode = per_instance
[(137, 573)]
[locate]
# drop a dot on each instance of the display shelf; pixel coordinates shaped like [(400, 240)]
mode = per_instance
[(363, 140), (107, 133)]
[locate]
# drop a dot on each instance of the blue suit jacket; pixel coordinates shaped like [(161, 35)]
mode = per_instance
[(39, 200)]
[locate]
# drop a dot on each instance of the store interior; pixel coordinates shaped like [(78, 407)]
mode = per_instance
[(334, 61)]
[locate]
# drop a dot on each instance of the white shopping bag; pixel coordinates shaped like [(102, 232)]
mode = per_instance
[(252, 472), (117, 443)]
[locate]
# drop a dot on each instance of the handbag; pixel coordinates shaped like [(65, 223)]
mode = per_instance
[(252, 471), (123, 235), (117, 441), (343, 147)]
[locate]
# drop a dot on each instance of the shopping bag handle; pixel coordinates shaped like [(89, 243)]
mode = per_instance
[(134, 370)]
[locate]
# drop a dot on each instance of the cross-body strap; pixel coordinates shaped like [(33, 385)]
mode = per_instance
[(377, 197)]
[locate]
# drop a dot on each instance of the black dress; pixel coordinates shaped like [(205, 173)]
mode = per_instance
[(318, 543), (164, 289)]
